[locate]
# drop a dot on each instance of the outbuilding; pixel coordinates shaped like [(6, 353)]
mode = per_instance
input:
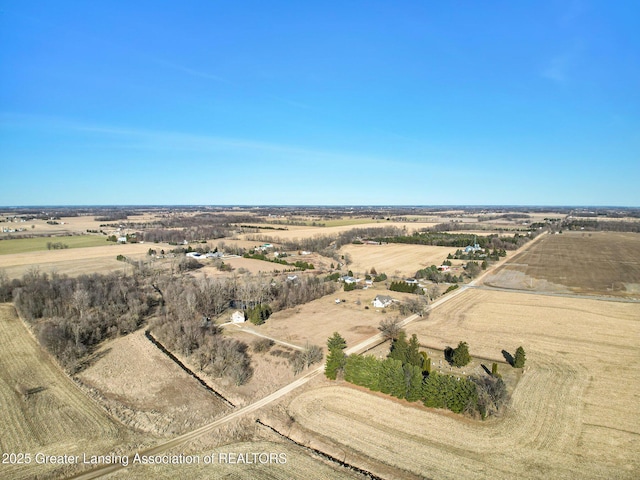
[(237, 317)]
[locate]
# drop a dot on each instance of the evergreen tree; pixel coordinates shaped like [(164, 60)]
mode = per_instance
[(400, 348), (392, 378), (336, 342), (335, 362), (461, 356), (413, 356), (413, 382), (426, 363), (519, 359), (363, 370), (336, 358)]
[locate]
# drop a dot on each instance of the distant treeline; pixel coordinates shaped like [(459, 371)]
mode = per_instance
[(191, 234), (602, 225), (179, 220), (261, 227), (504, 216), (444, 239), (113, 215)]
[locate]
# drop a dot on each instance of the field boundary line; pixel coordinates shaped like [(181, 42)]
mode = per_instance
[(599, 298)]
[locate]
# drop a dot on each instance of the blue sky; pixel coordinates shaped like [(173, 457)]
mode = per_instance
[(367, 103)]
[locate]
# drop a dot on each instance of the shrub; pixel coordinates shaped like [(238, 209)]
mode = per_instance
[(461, 356), (451, 288), (258, 314), (519, 359), (262, 345), (380, 278)]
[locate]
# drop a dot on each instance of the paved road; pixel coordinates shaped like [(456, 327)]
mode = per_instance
[(362, 346)]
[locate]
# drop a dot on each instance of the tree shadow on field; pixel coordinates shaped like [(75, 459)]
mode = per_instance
[(484, 367), (91, 360), (508, 357), (448, 355)]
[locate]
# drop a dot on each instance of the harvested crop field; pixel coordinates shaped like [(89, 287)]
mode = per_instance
[(395, 259), (77, 261), (147, 390), (598, 263), (574, 413), (41, 409), (309, 232)]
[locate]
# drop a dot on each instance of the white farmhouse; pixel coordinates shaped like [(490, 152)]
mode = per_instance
[(382, 301)]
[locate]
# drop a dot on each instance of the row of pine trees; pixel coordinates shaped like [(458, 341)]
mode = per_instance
[(406, 373)]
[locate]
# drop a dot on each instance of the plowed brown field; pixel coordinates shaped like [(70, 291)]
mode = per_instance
[(599, 263)]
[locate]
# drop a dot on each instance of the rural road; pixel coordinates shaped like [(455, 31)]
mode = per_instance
[(362, 346)]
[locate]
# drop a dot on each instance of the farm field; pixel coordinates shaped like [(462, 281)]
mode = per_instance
[(310, 232), (248, 264), (574, 413), (395, 259), (66, 225), (56, 417), (78, 261), (27, 245), (167, 402), (595, 263)]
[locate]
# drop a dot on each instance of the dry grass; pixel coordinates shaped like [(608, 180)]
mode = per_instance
[(316, 321), (58, 418), (247, 264), (574, 413), (587, 263), (168, 401), (395, 259)]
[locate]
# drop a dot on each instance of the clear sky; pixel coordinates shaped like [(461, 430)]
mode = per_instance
[(345, 102)]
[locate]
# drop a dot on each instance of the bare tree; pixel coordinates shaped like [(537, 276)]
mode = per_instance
[(390, 328)]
